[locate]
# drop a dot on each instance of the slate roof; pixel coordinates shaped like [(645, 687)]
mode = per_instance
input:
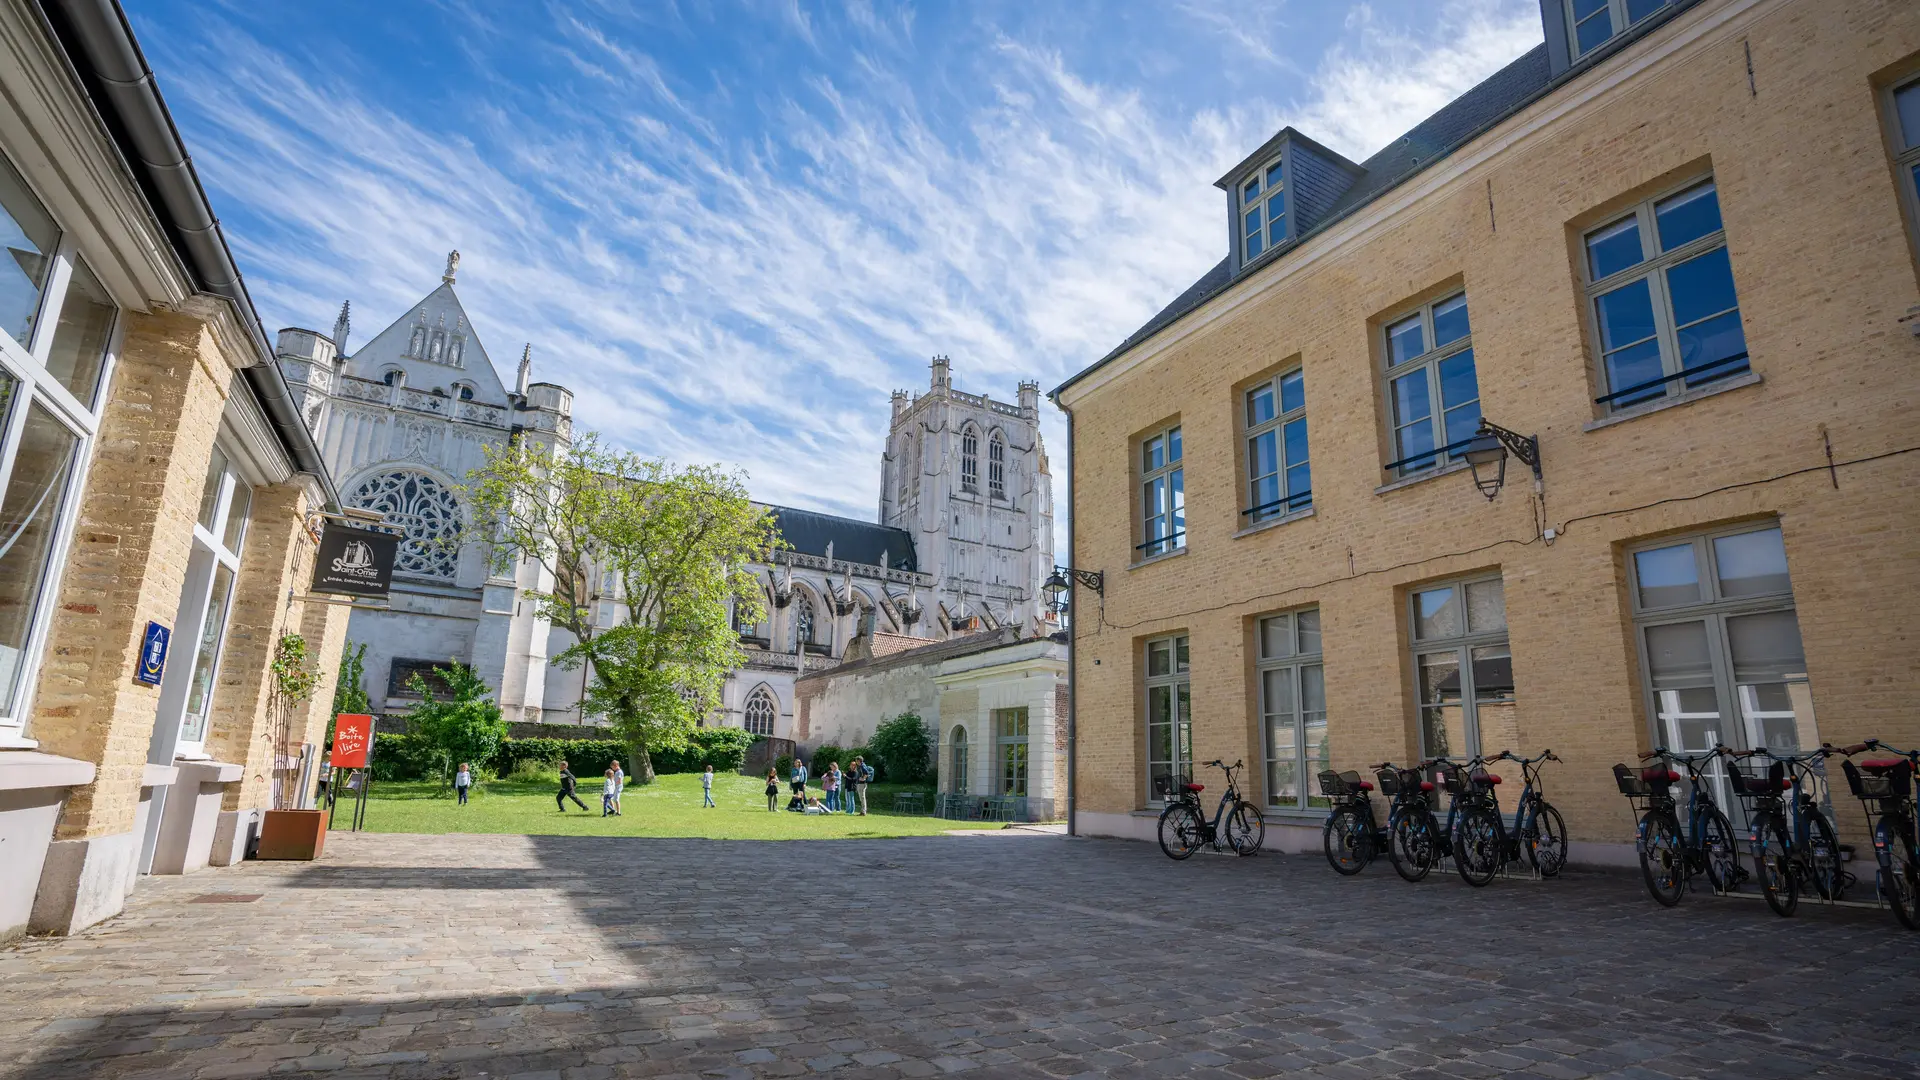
[(853, 541), (1499, 96)]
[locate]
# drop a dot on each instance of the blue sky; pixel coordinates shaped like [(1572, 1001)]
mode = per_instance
[(732, 228)]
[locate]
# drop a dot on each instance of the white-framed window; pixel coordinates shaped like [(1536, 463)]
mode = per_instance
[(760, 713), (1661, 293), (1163, 494), (1010, 751), (970, 460), (1592, 23), (958, 762), (1463, 668), (1293, 707), (1279, 479), (1262, 211), (1169, 716), (206, 599), (1433, 392), (997, 466), (1904, 114), (1719, 641), (58, 336)]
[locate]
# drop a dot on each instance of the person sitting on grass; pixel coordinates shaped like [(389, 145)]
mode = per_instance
[(814, 806)]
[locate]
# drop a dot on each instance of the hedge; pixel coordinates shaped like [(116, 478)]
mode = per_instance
[(407, 757)]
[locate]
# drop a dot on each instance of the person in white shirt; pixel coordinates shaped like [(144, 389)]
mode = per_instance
[(462, 780), (607, 794), (619, 786)]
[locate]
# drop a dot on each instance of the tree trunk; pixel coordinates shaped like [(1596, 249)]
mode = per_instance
[(640, 765)]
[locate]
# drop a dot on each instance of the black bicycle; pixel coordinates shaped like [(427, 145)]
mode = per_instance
[(1669, 855), (1793, 842), (1884, 787), (1415, 841), (1184, 827), (1349, 837)]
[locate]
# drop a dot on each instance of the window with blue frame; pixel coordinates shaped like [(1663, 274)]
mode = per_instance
[(1594, 22), (1279, 480), (1664, 307), (1262, 211), (1433, 393)]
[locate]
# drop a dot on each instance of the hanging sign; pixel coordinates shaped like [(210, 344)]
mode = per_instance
[(352, 739), (354, 561), (153, 655)]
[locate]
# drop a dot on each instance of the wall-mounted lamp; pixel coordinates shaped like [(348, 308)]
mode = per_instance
[(1488, 453), (1064, 578)]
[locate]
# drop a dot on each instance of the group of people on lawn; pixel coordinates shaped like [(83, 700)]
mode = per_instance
[(845, 792)]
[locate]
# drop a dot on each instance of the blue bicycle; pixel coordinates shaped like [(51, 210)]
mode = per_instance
[(1670, 856), (1884, 787), (1482, 843), (1415, 842), (1793, 842)]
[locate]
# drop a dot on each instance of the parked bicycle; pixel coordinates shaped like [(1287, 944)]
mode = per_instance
[(1237, 822), (1482, 843), (1793, 842), (1884, 787), (1415, 841), (1349, 837), (1669, 855)]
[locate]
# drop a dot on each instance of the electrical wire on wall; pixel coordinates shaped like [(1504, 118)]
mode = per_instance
[(1541, 536)]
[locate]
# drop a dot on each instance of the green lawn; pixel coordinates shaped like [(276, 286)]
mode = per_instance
[(670, 806)]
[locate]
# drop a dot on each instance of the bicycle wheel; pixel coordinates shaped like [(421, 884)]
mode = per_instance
[(1476, 846), (1179, 831), (1900, 878), (1663, 858), (1546, 840), (1773, 865), (1720, 853), (1411, 846), (1823, 857), (1246, 829), (1348, 841)]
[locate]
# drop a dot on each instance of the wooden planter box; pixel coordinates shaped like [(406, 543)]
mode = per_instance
[(293, 834)]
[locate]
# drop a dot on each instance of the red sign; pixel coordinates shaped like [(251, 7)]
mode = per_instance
[(352, 738)]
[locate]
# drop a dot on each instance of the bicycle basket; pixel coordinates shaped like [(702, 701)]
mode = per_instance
[(1756, 786), (1388, 779), (1879, 779), (1644, 783), (1340, 785), (1451, 778)]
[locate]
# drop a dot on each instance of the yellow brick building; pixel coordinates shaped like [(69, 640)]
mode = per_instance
[(1681, 252), (153, 473)]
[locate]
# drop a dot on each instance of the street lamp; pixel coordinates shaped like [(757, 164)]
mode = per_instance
[(1064, 578), (1488, 452)]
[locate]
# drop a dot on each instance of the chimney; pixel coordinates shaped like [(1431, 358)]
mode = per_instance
[(942, 374)]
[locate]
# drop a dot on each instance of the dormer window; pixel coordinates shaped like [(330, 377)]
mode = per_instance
[(1595, 22), (1263, 211), (466, 393)]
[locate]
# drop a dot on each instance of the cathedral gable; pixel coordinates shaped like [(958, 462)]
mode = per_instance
[(436, 345)]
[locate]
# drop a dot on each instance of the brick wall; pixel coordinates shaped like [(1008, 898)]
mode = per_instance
[(1821, 260)]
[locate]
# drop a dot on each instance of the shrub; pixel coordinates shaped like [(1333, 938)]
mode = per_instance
[(545, 756), (818, 760), (400, 757), (904, 749), (465, 725), (723, 748), (783, 765)]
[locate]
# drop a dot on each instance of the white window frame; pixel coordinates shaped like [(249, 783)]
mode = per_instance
[(959, 762), (26, 363), (1737, 710), (1177, 678), (1616, 12), (1269, 184), (1290, 502), (210, 554), (1462, 645), (1906, 158), (1653, 267), (1430, 359), (1291, 666), (1162, 494)]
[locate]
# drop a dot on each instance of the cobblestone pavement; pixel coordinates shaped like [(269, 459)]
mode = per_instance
[(992, 955)]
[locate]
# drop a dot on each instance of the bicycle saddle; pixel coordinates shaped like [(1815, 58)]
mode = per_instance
[(1194, 787), (1884, 764)]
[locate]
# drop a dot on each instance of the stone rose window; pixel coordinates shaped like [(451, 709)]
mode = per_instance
[(428, 513)]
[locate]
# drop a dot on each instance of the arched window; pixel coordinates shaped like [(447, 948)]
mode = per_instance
[(393, 377), (466, 393), (957, 764), (969, 460), (803, 621), (997, 466), (428, 513), (760, 712)]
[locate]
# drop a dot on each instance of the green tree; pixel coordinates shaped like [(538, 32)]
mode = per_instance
[(904, 747), (676, 541), (464, 726), (349, 690)]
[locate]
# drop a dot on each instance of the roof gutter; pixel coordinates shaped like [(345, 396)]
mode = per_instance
[(101, 47)]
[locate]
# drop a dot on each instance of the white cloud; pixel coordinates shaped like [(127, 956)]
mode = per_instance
[(752, 299)]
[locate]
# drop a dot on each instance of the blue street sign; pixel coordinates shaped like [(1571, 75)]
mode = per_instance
[(153, 655)]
